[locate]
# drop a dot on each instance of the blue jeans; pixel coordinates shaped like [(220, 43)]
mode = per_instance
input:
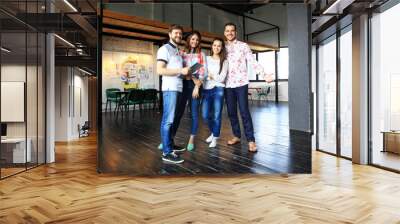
[(170, 98), (213, 100), (186, 96), (235, 96)]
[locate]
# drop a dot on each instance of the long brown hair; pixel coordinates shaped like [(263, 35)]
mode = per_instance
[(188, 47), (222, 53)]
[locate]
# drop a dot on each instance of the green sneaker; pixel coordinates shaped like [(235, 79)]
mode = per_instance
[(190, 147), (175, 149)]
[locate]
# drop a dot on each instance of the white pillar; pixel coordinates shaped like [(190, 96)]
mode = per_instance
[(360, 90), (50, 92), (50, 101)]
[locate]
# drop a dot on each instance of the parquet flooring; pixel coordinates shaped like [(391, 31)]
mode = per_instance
[(71, 191)]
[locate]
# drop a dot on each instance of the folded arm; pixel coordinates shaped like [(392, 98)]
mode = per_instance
[(222, 75), (163, 70)]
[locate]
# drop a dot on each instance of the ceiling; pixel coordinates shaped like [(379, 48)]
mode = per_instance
[(122, 25), (80, 27), (234, 6), (246, 6), (39, 6), (324, 26), (76, 24)]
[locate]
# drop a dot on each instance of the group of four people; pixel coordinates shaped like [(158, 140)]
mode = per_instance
[(223, 73)]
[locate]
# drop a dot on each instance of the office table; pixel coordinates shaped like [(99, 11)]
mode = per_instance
[(391, 141), (260, 91), (16, 148)]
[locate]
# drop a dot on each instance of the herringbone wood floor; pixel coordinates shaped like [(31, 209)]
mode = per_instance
[(70, 191)]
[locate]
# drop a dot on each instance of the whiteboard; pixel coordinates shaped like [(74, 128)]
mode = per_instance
[(12, 101)]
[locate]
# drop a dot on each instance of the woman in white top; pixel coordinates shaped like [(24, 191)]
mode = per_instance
[(213, 90)]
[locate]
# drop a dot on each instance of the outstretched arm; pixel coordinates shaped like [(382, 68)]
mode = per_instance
[(251, 61)]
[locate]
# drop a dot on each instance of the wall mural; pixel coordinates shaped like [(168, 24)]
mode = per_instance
[(128, 64), (128, 70)]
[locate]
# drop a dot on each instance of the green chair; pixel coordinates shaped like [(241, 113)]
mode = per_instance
[(150, 97), (112, 97), (135, 97), (264, 92)]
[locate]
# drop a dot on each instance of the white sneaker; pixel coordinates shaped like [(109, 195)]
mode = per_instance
[(210, 138), (213, 143)]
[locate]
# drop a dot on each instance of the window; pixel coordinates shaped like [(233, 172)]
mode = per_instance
[(346, 93), (283, 63), (327, 96), (252, 75), (385, 88), (267, 60)]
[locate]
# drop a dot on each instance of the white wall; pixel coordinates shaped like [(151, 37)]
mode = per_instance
[(125, 55), (14, 72), (61, 103), (80, 105), (33, 126), (71, 102)]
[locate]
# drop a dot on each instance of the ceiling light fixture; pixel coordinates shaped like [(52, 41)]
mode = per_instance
[(331, 7), (84, 71), (79, 51), (5, 49), (70, 5), (65, 41)]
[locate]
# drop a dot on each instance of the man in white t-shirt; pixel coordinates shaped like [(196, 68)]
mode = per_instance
[(170, 67)]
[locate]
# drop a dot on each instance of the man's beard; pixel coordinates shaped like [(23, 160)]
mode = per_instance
[(177, 43)]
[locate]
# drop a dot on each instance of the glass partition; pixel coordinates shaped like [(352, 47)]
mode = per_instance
[(385, 89), (31, 97), (327, 96), (15, 150), (41, 97), (22, 64)]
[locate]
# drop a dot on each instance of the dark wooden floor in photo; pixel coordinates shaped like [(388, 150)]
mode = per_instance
[(130, 143)]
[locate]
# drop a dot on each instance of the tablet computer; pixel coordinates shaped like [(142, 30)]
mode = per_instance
[(195, 67)]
